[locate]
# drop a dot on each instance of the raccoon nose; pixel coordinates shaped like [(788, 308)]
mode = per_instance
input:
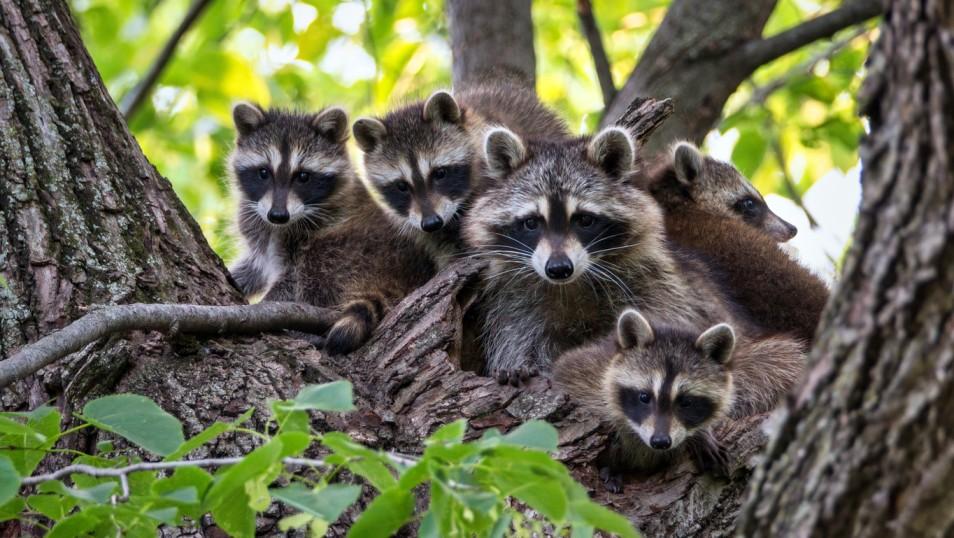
[(432, 223), (791, 229), (559, 268), (660, 442), (276, 216)]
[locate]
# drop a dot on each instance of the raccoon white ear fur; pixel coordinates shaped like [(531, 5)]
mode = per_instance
[(503, 151), (368, 133), (633, 330), (332, 123), (717, 343), (247, 117), (441, 106), (687, 160), (613, 151)]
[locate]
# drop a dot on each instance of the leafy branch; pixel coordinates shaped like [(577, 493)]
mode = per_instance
[(471, 485)]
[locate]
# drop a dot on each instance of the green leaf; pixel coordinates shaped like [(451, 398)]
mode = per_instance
[(231, 481), (97, 494), (602, 518), (375, 472), (335, 396), (9, 480), (534, 434), (327, 503), (12, 509), (55, 507), (76, 525), (294, 521), (138, 419), (201, 438), (235, 517), (501, 526), (414, 476), (749, 151), (544, 496), (448, 433), (15, 427), (387, 513)]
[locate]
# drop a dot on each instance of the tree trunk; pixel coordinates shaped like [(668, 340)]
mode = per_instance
[(866, 447), (491, 36)]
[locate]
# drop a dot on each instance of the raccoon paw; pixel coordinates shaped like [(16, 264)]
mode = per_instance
[(343, 339), (710, 456), (612, 481), (515, 376)]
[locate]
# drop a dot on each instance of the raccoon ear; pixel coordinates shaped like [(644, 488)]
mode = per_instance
[(441, 106), (247, 117), (717, 343), (368, 133), (633, 330), (503, 151), (687, 160), (332, 123), (613, 151)]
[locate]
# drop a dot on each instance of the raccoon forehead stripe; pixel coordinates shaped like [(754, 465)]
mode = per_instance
[(250, 159), (274, 157), (447, 157)]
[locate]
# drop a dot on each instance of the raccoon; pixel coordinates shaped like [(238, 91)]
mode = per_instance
[(570, 243), (358, 267), (423, 161), (773, 292), (692, 180), (663, 388), (291, 175)]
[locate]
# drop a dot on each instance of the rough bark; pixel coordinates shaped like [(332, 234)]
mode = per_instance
[(85, 218), (491, 36), (703, 50), (867, 445)]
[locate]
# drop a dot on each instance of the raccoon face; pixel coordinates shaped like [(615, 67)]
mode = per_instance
[(288, 166), (667, 384), (719, 188), (419, 162), (561, 208)]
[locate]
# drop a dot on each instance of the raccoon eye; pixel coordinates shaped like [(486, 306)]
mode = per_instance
[(746, 206), (531, 223), (302, 177), (263, 173), (645, 397), (684, 401), (439, 173), (585, 220), (401, 186)]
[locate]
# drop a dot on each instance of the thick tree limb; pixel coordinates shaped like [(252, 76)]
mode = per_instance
[(131, 102), (757, 53), (190, 319), (584, 10)]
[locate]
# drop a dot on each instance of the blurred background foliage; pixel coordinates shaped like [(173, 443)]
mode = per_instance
[(793, 123)]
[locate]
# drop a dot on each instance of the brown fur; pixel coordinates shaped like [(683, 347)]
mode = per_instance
[(359, 266), (771, 290)]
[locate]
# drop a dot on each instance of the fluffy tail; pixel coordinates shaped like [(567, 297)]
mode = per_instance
[(763, 372), (358, 320)]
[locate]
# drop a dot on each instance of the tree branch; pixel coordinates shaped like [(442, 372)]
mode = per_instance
[(584, 9), (192, 319), (644, 115), (131, 102), (762, 51)]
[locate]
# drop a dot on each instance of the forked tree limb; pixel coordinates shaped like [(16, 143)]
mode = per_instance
[(189, 319)]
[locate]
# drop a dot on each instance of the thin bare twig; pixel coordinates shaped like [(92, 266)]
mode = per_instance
[(584, 10), (131, 102), (192, 319)]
